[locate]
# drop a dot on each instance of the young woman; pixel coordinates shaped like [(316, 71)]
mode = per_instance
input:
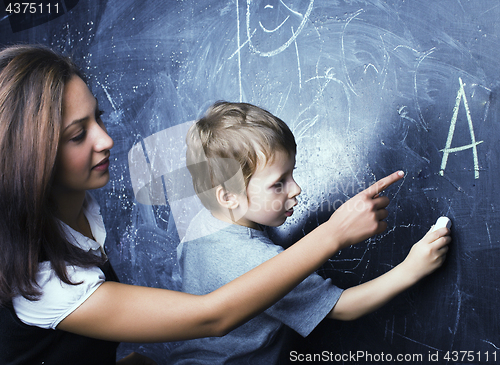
[(60, 300)]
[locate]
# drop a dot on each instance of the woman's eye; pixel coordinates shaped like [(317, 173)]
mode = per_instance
[(98, 114), (80, 136)]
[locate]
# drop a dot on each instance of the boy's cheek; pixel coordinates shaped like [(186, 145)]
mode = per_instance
[(254, 203), (255, 190), (270, 207)]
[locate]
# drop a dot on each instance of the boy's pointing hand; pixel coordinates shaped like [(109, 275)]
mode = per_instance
[(362, 216)]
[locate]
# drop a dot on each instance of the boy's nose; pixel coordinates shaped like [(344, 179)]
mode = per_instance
[(295, 190)]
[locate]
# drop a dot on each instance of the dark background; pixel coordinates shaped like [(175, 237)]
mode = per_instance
[(368, 87)]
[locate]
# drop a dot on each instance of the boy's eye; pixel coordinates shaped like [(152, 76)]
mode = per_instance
[(279, 185)]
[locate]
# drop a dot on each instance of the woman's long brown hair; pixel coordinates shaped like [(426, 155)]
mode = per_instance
[(32, 80)]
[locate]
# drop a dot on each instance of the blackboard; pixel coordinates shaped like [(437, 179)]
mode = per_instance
[(368, 87)]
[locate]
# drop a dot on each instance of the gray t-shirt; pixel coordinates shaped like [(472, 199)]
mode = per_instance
[(212, 254)]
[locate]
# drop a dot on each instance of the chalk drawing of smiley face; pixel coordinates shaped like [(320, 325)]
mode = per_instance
[(275, 23)]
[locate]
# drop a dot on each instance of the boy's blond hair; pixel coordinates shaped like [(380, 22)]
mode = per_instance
[(225, 146)]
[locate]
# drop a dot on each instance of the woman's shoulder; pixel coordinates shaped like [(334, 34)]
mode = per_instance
[(58, 299)]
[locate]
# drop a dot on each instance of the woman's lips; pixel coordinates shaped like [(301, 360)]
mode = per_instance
[(102, 166)]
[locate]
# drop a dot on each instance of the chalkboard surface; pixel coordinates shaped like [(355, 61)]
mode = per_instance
[(368, 87)]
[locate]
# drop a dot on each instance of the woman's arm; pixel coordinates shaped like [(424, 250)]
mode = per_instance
[(123, 312)]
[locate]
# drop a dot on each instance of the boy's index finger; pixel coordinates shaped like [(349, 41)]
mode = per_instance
[(383, 183)]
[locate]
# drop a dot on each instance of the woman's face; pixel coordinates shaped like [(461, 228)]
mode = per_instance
[(83, 154)]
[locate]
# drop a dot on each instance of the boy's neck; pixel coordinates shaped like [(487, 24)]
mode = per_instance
[(230, 219)]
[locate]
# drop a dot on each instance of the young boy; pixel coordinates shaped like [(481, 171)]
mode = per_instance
[(241, 159)]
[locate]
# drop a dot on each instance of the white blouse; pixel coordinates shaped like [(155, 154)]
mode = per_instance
[(59, 299)]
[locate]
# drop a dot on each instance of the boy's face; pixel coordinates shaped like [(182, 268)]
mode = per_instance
[(271, 193)]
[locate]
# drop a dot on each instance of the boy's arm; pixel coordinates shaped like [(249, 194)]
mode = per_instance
[(425, 256)]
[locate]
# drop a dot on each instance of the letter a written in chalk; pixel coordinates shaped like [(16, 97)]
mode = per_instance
[(447, 150)]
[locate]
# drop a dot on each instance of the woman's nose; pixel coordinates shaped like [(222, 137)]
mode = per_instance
[(102, 140)]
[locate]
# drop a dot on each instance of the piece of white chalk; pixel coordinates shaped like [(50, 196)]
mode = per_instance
[(442, 222)]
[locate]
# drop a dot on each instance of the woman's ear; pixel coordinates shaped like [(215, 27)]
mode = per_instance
[(225, 199)]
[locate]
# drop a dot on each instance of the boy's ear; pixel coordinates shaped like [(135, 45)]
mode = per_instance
[(225, 199)]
